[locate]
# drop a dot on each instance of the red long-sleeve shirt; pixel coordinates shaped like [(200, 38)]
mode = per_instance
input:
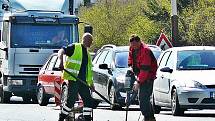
[(144, 61)]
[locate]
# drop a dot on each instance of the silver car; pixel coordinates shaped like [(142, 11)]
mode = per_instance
[(185, 79)]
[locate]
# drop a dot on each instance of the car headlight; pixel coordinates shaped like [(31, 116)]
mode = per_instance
[(121, 78), (194, 84), (15, 82)]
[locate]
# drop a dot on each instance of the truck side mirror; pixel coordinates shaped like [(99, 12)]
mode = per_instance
[(88, 29)]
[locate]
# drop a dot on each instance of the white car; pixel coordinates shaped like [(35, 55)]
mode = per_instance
[(185, 79)]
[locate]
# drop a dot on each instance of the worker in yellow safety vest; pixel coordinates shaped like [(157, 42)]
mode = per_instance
[(79, 63)]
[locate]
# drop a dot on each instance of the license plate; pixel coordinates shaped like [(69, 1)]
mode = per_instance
[(212, 95)]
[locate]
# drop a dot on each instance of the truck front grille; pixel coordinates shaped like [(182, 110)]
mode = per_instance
[(30, 69)]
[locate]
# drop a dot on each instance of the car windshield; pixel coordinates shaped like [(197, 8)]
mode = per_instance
[(121, 59), (196, 60), (40, 36), (156, 53)]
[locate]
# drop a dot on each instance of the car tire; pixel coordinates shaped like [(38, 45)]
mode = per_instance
[(42, 98), (176, 110), (156, 108), (112, 99), (64, 93)]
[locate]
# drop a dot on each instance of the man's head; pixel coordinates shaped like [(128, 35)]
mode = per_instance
[(135, 41), (87, 39)]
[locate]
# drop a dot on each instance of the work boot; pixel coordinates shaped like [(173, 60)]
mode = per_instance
[(62, 117)]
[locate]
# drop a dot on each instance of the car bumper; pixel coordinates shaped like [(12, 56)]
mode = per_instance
[(196, 98), (28, 87)]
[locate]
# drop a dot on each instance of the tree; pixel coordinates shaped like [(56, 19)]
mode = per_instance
[(114, 21), (199, 22)]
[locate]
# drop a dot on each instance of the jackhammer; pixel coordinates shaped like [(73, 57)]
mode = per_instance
[(130, 94)]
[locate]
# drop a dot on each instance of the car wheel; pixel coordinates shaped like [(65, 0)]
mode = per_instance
[(112, 99), (64, 93), (42, 98), (156, 108), (176, 110)]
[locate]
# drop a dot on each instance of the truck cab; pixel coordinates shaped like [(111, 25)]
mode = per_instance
[(28, 36)]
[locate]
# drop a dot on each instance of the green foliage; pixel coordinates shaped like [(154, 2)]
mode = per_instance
[(200, 22), (113, 21), (142, 26)]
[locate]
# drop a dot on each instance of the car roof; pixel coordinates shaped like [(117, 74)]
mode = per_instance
[(126, 48), (192, 48)]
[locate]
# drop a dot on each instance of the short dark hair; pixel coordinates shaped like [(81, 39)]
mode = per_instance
[(134, 37)]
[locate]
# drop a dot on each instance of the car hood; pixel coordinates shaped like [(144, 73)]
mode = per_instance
[(120, 71), (205, 77)]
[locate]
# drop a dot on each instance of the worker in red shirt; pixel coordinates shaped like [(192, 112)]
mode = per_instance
[(144, 66)]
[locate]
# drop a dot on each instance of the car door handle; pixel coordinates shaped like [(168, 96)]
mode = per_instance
[(52, 72), (162, 76)]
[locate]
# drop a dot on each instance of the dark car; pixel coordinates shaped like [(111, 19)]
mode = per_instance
[(110, 81)]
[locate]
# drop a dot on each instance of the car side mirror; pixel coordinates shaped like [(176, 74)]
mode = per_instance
[(166, 69), (103, 66)]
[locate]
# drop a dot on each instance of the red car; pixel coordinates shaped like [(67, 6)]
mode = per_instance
[(51, 84)]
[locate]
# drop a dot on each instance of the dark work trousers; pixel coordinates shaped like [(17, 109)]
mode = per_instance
[(145, 93), (75, 88)]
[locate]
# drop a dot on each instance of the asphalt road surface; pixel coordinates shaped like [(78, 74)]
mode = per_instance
[(18, 111)]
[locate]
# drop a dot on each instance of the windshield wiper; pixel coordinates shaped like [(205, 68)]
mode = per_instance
[(211, 68), (120, 66)]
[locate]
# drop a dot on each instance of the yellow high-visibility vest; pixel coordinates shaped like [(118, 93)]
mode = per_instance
[(73, 65)]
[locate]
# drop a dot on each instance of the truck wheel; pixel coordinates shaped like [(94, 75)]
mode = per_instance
[(6, 97), (42, 98), (1, 93)]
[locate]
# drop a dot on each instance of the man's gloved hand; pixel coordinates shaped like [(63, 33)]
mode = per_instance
[(92, 88), (136, 86)]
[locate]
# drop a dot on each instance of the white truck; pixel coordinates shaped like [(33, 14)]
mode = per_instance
[(28, 35)]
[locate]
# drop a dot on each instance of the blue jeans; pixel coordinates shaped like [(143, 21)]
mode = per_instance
[(145, 93)]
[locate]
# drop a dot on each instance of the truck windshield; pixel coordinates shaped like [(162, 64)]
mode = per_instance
[(40, 36)]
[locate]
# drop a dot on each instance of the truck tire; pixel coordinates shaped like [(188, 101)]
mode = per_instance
[(26, 99), (6, 97), (42, 98)]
